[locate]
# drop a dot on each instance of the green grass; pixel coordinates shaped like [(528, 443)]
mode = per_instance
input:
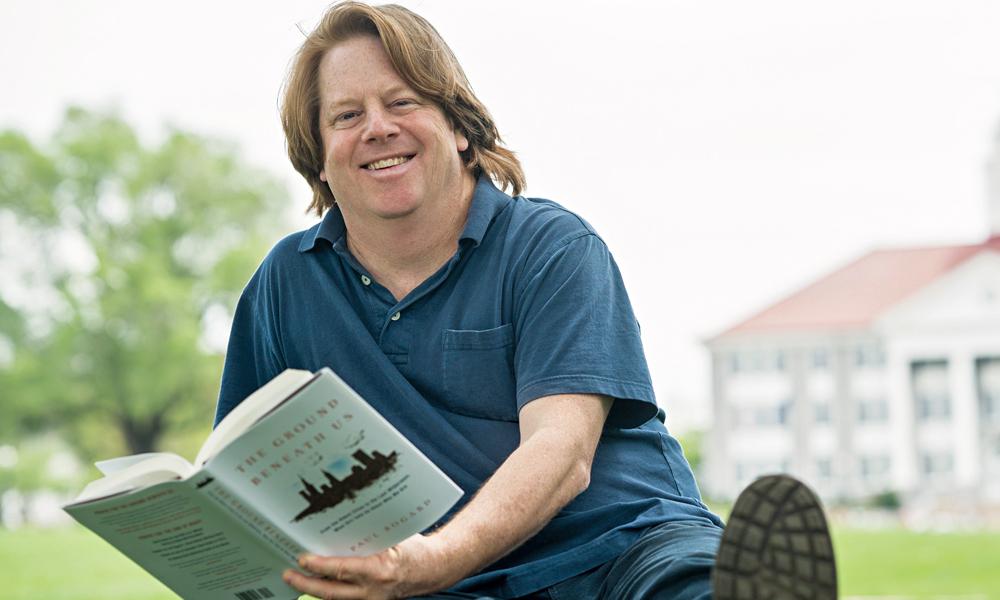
[(920, 565), (74, 564), (70, 564)]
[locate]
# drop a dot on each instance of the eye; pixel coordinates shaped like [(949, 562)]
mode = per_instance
[(345, 117), (403, 102)]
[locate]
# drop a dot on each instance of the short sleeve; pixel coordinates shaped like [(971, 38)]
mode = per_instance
[(575, 331), (252, 357)]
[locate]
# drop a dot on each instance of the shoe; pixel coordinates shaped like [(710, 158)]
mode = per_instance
[(776, 545)]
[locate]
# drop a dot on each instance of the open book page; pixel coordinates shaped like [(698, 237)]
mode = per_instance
[(250, 410), (113, 465), (190, 543), (127, 475), (131, 472), (333, 474)]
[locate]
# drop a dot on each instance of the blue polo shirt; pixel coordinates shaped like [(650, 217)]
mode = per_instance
[(531, 304)]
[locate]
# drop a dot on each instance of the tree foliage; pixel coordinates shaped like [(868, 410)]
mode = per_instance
[(117, 253), (693, 441)]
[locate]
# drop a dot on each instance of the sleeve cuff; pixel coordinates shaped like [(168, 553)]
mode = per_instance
[(634, 402)]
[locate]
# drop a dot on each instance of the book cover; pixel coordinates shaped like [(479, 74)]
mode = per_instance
[(319, 471)]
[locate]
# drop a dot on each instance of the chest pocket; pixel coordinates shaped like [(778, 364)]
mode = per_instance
[(479, 373)]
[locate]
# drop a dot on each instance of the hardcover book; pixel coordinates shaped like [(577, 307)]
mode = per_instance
[(304, 464)]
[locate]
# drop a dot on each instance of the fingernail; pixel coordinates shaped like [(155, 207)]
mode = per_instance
[(304, 561)]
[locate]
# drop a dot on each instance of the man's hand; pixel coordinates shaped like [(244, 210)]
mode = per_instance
[(414, 566), (550, 466)]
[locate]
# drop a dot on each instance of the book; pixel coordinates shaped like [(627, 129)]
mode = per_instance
[(303, 464)]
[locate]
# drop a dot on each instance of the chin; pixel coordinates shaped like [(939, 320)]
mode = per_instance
[(395, 211), (395, 204)]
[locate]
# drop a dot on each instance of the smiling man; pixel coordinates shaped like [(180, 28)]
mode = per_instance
[(495, 332)]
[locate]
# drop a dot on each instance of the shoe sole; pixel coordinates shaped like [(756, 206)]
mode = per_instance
[(776, 545)]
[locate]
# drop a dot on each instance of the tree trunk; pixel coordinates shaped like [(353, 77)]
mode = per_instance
[(142, 435)]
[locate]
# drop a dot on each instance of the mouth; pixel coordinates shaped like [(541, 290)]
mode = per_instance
[(388, 163)]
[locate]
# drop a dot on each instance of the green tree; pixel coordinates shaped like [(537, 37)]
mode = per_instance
[(117, 254), (692, 441)]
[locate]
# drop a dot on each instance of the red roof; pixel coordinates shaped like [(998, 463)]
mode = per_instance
[(854, 296)]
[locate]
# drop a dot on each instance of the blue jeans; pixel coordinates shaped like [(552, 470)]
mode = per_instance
[(670, 561)]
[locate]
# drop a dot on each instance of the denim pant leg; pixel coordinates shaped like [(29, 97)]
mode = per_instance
[(671, 561), (446, 595)]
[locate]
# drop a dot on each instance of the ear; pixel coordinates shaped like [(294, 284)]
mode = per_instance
[(322, 175), (461, 142)]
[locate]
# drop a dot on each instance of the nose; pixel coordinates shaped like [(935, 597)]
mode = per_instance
[(380, 126)]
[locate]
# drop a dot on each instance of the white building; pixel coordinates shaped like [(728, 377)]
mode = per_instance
[(883, 375)]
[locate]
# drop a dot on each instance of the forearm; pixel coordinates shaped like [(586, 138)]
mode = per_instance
[(544, 474), (559, 435)]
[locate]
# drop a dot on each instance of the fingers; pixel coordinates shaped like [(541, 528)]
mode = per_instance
[(329, 567), (344, 577), (381, 568), (320, 587), (350, 569)]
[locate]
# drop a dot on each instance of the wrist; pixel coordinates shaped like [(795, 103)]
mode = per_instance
[(450, 564)]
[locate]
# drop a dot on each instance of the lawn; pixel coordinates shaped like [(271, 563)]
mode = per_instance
[(70, 564), (921, 565), (73, 564)]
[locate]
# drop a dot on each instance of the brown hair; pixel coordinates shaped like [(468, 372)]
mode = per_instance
[(427, 65)]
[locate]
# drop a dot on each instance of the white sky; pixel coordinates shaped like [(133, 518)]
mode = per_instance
[(728, 151)]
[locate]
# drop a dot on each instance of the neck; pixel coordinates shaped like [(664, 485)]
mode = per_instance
[(401, 253)]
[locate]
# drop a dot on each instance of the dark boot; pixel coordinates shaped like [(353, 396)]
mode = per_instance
[(776, 545)]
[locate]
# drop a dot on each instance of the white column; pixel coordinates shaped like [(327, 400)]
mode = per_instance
[(901, 416), (961, 375), (719, 473)]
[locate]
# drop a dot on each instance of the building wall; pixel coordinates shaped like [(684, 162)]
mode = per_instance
[(911, 404), (790, 403), (940, 340)]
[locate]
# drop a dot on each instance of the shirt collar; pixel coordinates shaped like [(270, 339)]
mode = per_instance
[(331, 229), (487, 202)]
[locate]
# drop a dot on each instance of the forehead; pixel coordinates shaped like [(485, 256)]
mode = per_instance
[(356, 66)]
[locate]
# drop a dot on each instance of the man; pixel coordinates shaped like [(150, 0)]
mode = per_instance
[(494, 332)]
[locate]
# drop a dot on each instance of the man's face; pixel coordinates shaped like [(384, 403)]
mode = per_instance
[(387, 151)]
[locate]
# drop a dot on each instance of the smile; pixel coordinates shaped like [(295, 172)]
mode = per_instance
[(385, 163)]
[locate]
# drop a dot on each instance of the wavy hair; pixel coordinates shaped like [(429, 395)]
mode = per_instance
[(422, 59)]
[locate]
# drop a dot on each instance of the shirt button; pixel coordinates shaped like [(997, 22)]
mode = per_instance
[(395, 317), (366, 280)]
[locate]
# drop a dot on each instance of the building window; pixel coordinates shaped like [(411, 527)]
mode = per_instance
[(821, 412), (824, 468), (769, 416), (929, 382), (869, 356), (758, 413), (820, 358), (758, 361), (873, 410), (747, 471), (988, 388), (936, 464), (873, 466), (784, 412)]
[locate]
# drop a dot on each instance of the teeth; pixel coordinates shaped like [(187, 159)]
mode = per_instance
[(387, 162)]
